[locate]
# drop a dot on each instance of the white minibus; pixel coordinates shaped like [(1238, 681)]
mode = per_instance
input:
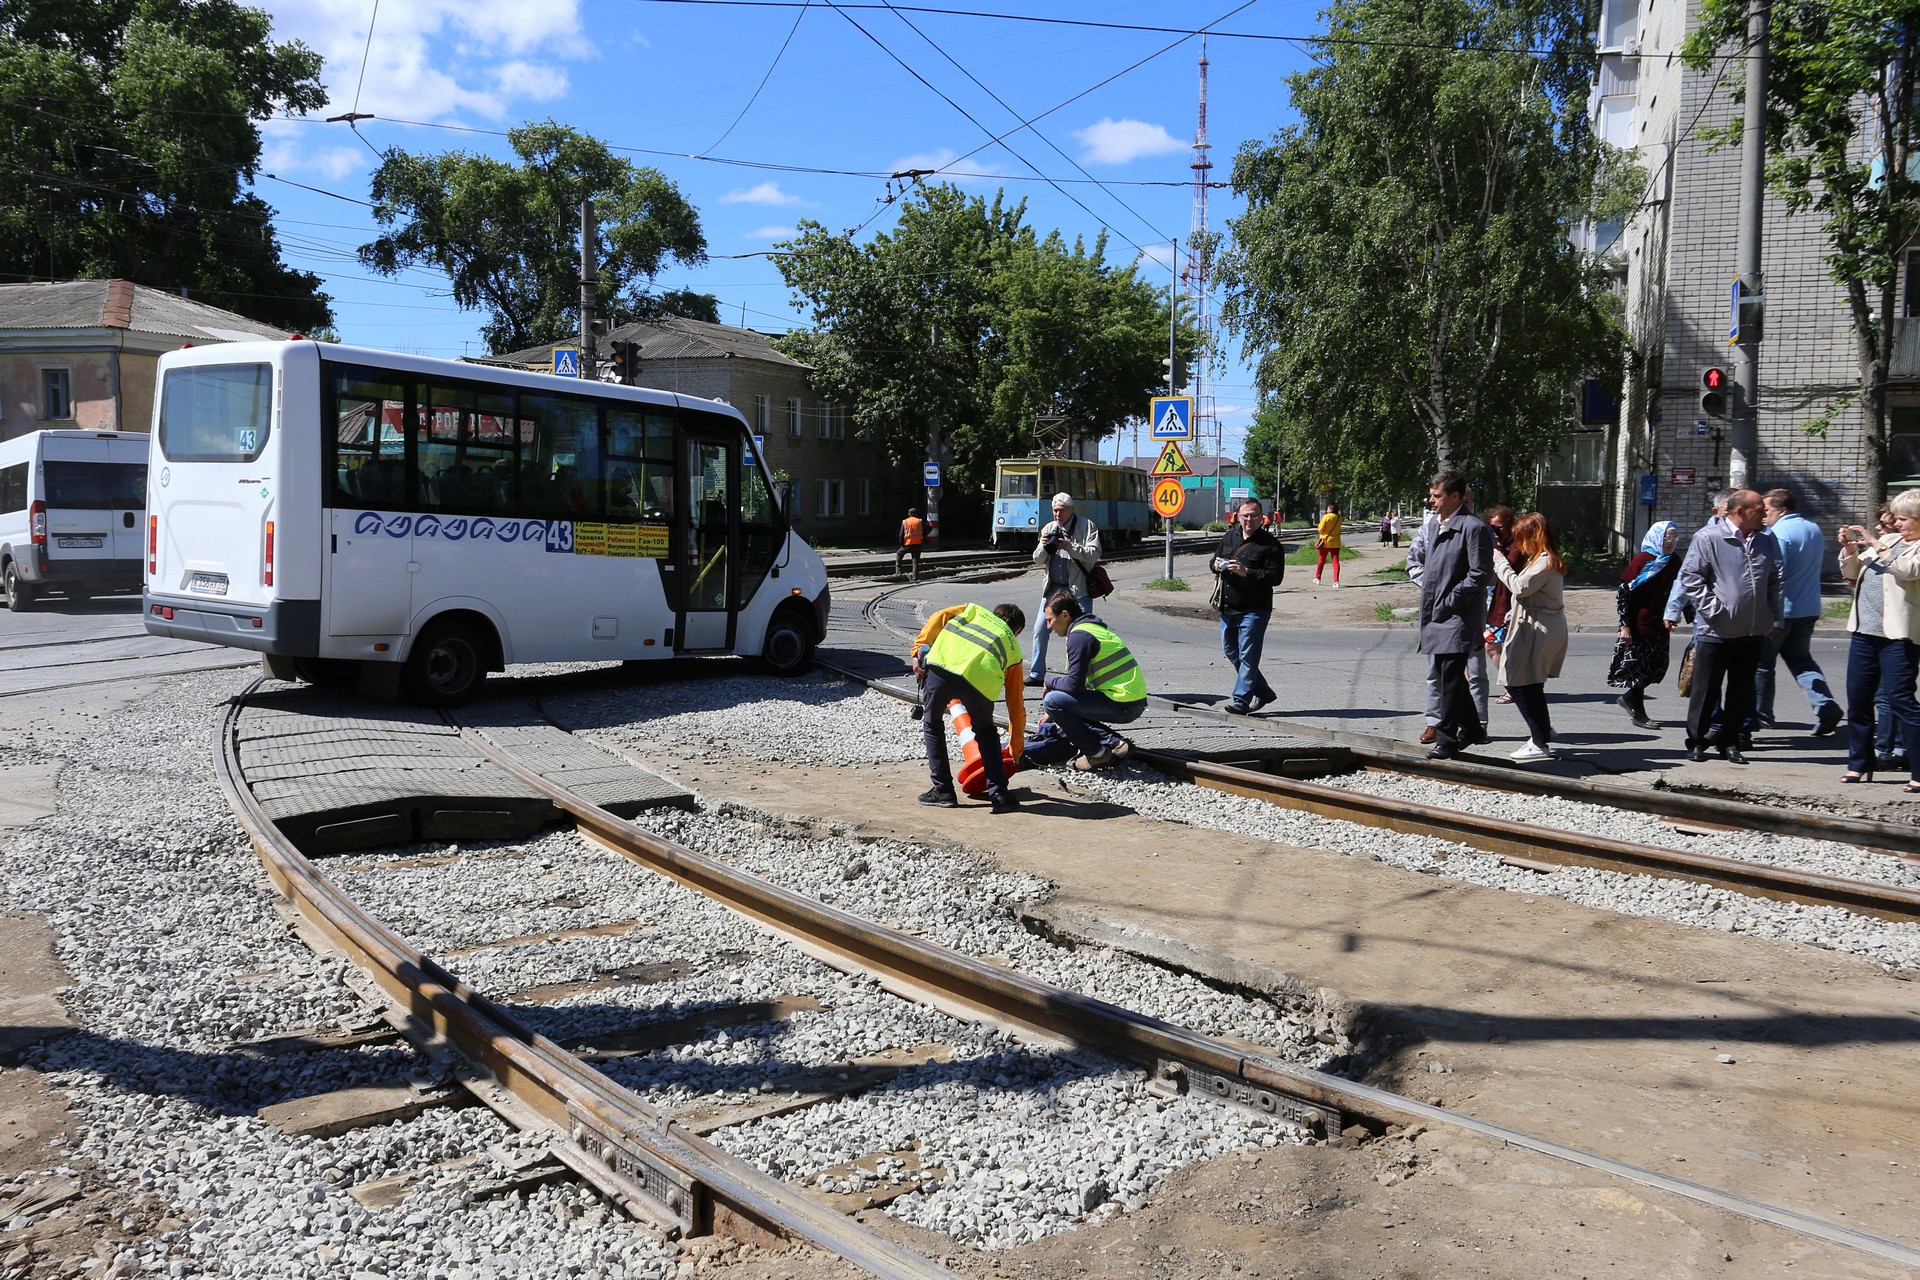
[(388, 520), (72, 513)]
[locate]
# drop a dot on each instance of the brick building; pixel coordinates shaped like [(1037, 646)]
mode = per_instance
[(81, 353), (846, 491), (1676, 257)]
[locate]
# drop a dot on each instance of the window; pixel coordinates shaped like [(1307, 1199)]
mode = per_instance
[(464, 450), (216, 413), (839, 422), (1581, 460), (1910, 305), (762, 415), (826, 422), (639, 464), (370, 450), (560, 473), (793, 417), (13, 488), (866, 497), (56, 395), (95, 486), (830, 498), (1903, 446), (1019, 484)]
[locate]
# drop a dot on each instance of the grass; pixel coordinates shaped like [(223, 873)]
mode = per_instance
[(1837, 608), (1383, 613), (1306, 555), (1392, 573), (1166, 584)]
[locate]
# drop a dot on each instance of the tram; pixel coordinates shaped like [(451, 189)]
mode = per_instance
[(1115, 498), (408, 523)]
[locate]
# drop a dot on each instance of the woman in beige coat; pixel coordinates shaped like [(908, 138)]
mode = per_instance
[(1885, 621), (1536, 628)]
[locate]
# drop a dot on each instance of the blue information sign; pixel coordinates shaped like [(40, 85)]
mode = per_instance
[(566, 362), (931, 471), (1649, 490)]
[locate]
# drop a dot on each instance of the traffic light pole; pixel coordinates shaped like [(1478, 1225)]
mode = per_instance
[(1753, 161), (589, 290)]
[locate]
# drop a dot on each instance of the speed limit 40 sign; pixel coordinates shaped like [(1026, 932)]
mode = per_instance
[(1169, 498)]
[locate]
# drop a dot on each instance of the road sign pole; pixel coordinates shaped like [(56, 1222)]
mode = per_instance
[(1169, 572)]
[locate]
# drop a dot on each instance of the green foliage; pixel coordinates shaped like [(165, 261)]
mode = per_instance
[(1841, 89), (1166, 584), (963, 317), (1391, 572), (1402, 270), (1383, 613), (130, 129), (508, 235)]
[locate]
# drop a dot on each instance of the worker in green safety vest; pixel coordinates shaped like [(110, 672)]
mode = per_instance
[(1102, 686), (974, 660)]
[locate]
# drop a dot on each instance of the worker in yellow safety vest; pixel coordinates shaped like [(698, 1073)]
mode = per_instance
[(972, 658), (1102, 686), (913, 536)]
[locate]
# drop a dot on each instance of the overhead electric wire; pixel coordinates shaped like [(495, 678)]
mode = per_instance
[(755, 97), (1016, 115)]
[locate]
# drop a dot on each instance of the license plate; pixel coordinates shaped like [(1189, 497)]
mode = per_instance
[(207, 584), (76, 544)]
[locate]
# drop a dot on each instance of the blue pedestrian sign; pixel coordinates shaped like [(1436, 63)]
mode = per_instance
[(931, 471), (1171, 418), (566, 362)]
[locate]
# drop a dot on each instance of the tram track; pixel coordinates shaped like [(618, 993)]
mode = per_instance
[(1532, 844), (661, 1171)]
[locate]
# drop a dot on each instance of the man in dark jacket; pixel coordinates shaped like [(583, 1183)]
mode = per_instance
[(1453, 608), (1249, 564), (1731, 576)]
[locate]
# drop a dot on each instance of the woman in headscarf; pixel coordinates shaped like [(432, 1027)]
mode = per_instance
[(1640, 654)]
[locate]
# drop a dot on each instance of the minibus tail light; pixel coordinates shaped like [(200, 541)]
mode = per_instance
[(153, 545), (266, 577), (37, 529)]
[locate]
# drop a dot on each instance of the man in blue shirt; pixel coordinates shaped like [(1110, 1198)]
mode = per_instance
[(1803, 549)]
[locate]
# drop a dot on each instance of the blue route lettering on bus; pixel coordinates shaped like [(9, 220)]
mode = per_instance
[(555, 535)]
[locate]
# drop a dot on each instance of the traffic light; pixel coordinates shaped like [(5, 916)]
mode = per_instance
[(1716, 397), (1176, 371), (626, 359)]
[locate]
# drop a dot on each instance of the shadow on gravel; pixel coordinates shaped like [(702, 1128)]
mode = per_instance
[(234, 1081), (1812, 1030)]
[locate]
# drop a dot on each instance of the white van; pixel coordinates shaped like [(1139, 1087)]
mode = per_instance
[(72, 513)]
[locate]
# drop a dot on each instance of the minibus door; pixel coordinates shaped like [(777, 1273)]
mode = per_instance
[(708, 548)]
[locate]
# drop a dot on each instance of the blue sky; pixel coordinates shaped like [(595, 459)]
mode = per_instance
[(843, 106)]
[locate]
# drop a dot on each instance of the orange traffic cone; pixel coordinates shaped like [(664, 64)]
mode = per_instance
[(972, 777)]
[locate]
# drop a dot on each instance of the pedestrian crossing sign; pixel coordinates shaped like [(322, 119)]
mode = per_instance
[(566, 362), (1171, 418), (1172, 463)]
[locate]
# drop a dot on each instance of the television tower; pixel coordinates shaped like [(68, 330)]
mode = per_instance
[(1198, 286)]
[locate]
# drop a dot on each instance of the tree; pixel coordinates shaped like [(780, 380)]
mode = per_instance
[(508, 235), (1840, 135), (965, 320), (1402, 271), (129, 130)]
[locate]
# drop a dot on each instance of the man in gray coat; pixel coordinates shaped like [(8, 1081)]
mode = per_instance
[(1453, 608), (1732, 578)]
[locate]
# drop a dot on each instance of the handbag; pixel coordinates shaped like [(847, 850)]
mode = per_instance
[(1099, 585), (1684, 682), (1218, 601)]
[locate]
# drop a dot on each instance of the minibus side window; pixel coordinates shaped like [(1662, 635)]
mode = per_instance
[(369, 439)]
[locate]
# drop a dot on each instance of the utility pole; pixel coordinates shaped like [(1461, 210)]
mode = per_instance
[(1747, 294), (933, 454), (589, 293)]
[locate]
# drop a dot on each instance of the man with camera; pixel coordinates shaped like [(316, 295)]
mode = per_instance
[(1068, 549)]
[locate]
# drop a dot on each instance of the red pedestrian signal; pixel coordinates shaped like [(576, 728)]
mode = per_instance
[(1714, 399)]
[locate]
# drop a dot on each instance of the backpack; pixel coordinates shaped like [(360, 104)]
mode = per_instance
[(1099, 585)]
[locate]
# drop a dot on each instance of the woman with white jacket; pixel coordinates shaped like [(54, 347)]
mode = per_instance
[(1536, 643), (1885, 622)]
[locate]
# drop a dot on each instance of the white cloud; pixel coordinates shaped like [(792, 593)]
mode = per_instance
[(435, 59), (1119, 141), (1161, 255), (771, 233), (946, 167), (765, 193), (284, 155)]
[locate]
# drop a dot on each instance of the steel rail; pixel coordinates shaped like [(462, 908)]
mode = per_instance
[(644, 1161), (967, 986), (1899, 839), (1525, 841)]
